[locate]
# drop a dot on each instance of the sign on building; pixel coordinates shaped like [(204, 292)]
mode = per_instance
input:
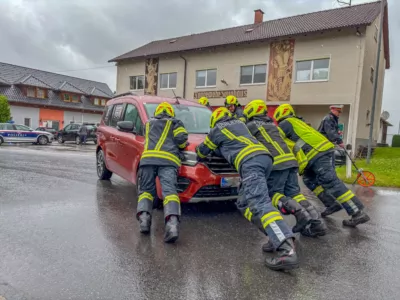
[(220, 94)]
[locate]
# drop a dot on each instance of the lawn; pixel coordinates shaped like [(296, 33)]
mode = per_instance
[(385, 164)]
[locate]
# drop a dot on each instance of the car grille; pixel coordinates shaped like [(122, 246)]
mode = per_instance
[(210, 191), (219, 165), (183, 184)]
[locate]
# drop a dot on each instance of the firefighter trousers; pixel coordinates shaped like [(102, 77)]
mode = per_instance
[(254, 202), (283, 185), (147, 189), (321, 177)]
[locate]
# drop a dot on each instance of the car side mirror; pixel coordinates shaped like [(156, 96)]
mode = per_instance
[(126, 126)]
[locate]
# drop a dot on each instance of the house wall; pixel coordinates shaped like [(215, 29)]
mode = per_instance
[(80, 117), (19, 113), (366, 93)]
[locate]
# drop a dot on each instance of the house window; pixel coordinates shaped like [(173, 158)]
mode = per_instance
[(40, 93), (206, 78), (96, 101), (27, 122), (168, 80), (372, 75), (376, 33), (103, 102), (253, 74), (136, 82), (31, 92), (75, 98), (312, 70), (67, 98)]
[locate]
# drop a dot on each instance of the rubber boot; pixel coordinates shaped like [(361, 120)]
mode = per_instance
[(289, 206), (287, 257), (356, 219), (268, 247), (171, 230), (144, 222), (317, 226)]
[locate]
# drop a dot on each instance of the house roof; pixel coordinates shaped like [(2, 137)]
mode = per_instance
[(33, 81), (68, 87), (351, 16), (14, 74)]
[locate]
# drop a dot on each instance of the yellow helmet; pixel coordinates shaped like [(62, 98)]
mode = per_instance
[(282, 111), (166, 108), (255, 108), (218, 114), (229, 100), (204, 101)]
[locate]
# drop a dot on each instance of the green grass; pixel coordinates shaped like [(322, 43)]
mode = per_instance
[(385, 165)]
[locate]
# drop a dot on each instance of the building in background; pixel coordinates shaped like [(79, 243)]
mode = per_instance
[(310, 61), (40, 98)]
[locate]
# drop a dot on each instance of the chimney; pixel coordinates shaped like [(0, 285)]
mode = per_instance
[(258, 16)]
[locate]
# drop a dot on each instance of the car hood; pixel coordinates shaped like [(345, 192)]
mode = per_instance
[(42, 132), (194, 140)]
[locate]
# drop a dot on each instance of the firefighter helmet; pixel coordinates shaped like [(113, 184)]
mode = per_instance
[(166, 108), (231, 99), (283, 111), (204, 101), (219, 114), (255, 108)]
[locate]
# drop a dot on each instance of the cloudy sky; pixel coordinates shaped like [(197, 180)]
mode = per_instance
[(78, 37)]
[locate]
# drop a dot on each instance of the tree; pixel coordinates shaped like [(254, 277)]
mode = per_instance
[(5, 112)]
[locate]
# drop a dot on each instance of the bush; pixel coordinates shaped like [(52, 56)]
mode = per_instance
[(5, 112), (396, 140)]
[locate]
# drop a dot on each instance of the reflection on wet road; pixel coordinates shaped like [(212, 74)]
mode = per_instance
[(66, 235)]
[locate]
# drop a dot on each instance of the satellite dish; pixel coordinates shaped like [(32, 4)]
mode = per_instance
[(385, 115)]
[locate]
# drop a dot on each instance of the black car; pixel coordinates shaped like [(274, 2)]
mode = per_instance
[(51, 130), (71, 133)]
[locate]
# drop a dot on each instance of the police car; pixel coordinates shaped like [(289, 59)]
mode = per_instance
[(15, 133)]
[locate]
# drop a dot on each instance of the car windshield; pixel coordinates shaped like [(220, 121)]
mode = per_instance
[(196, 119)]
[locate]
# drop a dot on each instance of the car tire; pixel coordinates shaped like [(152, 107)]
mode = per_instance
[(157, 203), (60, 140), (42, 140), (77, 140), (102, 171)]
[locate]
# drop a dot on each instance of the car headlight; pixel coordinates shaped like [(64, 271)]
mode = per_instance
[(190, 158)]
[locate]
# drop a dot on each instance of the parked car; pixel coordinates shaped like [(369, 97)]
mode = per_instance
[(51, 130), (340, 157), (71, 133), (16, 133), (119, 149)]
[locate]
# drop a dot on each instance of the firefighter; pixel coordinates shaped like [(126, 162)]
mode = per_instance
[(329, 127), (233, 105), (204, 101), (230, 138), (283, 183), (165, 136), (316, 163)]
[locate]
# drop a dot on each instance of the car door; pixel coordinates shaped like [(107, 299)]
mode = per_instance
[(64, 132), (25, 134), (130, 146), (10, 134), (73, 132), (112, 141)]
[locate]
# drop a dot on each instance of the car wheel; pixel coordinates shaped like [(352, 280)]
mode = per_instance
[(43, 140), (102, 171), (77, 140), (60, 140)]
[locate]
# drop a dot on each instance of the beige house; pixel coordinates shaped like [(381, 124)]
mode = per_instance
[(310, 61)]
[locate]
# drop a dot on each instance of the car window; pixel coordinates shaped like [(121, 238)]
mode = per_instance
[(2, 127), (107, 114), (132, 114), (196, 119), (75, 126), (68, 127), (116, 115), (22, 127)]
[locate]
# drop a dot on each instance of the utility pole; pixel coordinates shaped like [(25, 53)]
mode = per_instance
[(376, 76)]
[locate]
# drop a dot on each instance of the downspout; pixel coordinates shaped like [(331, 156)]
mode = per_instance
[(184, 77)]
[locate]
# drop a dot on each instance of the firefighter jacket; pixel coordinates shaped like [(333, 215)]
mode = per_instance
[(238, 114), (329, 127), (265, 131), (231, 139), (310, 141), (164, 138)]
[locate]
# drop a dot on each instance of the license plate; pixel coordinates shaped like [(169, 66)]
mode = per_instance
[(230, 181)]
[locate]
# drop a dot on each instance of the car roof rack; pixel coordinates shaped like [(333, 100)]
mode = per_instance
[(125, 94)]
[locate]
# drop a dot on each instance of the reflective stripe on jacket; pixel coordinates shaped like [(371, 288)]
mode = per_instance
[(231, 139), (164, 137), (265, 131), (306, 138)]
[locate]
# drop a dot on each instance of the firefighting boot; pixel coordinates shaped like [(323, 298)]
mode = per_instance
[(289, 206), (144, 222), (330, 203), (268, 247), (356, 219), (331, 209), (171, 230), (287, 257), (317, 226)]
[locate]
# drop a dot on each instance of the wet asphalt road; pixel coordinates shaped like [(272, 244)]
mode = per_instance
[(66, 235)]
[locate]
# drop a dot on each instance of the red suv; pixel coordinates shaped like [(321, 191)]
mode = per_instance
[(120, 147)]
